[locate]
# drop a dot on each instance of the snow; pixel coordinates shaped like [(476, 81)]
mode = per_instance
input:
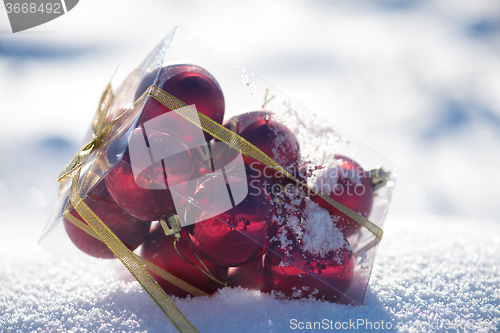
[(321, 236), (428, 270), (417, 81)]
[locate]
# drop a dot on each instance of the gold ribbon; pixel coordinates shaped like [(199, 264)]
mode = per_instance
[(135, 264)]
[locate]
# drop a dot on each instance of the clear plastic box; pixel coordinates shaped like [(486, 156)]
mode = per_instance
[(240, 221)]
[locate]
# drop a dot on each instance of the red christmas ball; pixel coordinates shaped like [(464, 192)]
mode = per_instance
[(274, 182), (304, 275), (347, 183), (239, 234), (128, 229), (276, 141), (159, 249), (140, 184), (189, 83), (249, 275)]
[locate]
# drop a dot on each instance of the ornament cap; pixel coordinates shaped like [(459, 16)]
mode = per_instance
[(171, 226), (379, 177)]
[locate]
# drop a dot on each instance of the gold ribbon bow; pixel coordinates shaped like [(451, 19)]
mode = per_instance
[(135, 264)]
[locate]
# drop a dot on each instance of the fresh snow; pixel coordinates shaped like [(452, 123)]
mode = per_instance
[(428, 271), (415, 80), (321, 236)]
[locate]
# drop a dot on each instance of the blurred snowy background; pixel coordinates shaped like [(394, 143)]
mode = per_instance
[(418, 81)]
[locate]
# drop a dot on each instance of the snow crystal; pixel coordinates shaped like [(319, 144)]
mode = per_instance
[(321, 236), (301, 219)]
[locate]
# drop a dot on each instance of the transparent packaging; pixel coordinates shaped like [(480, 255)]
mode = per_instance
[(229, 212)]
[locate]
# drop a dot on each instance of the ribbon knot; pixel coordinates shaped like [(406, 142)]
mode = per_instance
[(96, 142)]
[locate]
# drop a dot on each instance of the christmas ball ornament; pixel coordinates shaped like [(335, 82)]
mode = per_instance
[(140, 185), (158, 248), (347, 183), (249, 276), (304, 274), (130, 230), (270, 139), (239, 234), (276, 141), (189, 83)]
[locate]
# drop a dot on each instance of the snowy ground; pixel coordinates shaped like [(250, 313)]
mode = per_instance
[(417, 81)]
